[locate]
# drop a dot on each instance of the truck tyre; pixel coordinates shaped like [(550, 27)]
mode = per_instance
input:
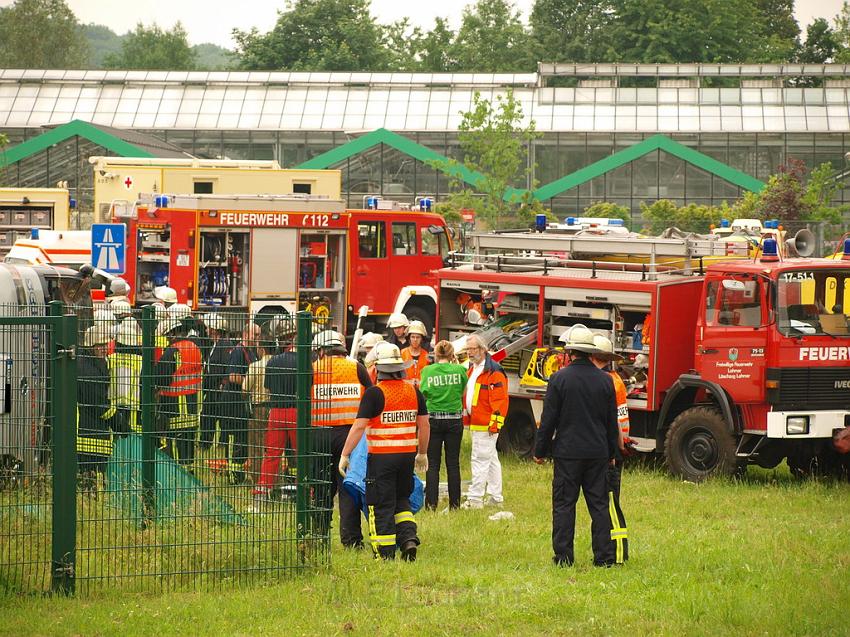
[(419, 313), (518, 433), (699, 445)]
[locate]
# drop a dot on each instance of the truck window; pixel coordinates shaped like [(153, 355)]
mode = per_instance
[(733, 302), (433, 245), (404, 239), (372, 239)]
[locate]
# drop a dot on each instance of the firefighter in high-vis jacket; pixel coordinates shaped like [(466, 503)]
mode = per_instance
[(395, 419), (95, 414), (125, 376), (338, 385), (178, 376), (619, 532)]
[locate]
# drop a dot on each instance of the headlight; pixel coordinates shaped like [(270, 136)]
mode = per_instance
[(797, 425)]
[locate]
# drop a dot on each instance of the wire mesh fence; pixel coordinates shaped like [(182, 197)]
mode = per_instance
[(194, 466)]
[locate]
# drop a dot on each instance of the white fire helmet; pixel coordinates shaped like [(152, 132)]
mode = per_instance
[(579, 338), (397, 320), (417, 327), (328, 338), (388, 358)]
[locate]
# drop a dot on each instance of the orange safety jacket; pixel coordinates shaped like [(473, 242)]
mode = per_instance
[(188, 375), (414, 372), (394, 429), (336, 392), (622, 402), (489, 398)]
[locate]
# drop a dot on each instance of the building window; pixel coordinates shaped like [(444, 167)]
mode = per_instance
[(203, 187), (371, 236), (302, 189)]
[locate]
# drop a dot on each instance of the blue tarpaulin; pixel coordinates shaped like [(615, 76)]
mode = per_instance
[(355, 481)]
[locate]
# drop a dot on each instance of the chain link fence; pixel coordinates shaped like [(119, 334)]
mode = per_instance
[(184, 457)]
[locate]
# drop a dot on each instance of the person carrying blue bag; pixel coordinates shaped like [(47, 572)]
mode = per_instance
[(395, 419)]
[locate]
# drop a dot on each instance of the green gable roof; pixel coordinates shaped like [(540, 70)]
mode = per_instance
[(651, 144), (121, 143)]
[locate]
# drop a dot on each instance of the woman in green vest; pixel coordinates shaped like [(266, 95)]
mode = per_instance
[(443, 384)]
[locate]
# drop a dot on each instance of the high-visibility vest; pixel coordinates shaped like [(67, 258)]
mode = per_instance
[(125, 373), (336, 392), (414, 372), (394, 429), (622, 402), (489, 399), (187, 378)]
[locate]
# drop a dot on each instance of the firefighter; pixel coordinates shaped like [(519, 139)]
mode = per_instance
[(95, 414), (178, 377), (619, 532), (394, 416), (119, 290), (160, 340), (235, 412), (125, 374), (366, 353), (578, 428), (281, 383), (215, 375), (121, 309), (397, 325), (416, 335), (338, 385), (486, 404), (254, 387), (165, 294)]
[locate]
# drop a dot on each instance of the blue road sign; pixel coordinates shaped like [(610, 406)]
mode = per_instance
[(109, 247)]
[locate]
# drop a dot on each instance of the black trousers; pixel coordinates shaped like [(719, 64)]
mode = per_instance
[(350, 533), (389, 483), (619, 531), (589, 476), (211, 412), (446, 432), (234, 434), (182, 445)]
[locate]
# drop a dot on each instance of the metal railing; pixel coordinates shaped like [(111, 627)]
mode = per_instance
[(148, 454)]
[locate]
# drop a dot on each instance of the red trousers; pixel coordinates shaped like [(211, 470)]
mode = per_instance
[(280, 433)]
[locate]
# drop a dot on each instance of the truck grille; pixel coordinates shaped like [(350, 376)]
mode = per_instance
[(811, 388)]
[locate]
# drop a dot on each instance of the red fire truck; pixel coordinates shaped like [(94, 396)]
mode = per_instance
[(730, 360), (268, 253)]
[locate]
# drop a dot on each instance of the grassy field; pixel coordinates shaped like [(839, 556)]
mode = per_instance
[(763, 556)]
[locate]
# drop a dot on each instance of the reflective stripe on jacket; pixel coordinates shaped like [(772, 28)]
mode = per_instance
[(394, 429), (622, 403), (489, 398), (336, 391), (125, 373), (414, 372), (187, 377)]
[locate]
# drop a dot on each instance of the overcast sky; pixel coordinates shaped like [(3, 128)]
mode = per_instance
[(212, 20)]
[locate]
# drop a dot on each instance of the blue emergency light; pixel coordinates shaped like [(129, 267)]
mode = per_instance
[(846, 253), (769, 250), (571, 221), (540, 222), (724, 223), (372, 203), (425, 204), (72, 203), (772, 224), (616, 222), (34, 234), (161, 201)]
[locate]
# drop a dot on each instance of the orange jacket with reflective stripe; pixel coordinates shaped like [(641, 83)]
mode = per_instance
[(489, 397), (394, 429), (414, 372), (622, 402), (336, 392), (188, 375)]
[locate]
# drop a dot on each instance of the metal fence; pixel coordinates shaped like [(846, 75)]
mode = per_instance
[(148, 452)]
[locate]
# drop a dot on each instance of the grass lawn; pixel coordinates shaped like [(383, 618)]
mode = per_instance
[(764, 556)]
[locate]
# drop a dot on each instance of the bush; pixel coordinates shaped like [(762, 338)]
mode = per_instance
[(606, 210)]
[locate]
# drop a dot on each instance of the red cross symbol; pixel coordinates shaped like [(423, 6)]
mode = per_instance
[(128, 183)]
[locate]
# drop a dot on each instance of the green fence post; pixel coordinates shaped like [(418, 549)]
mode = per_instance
[(148, 414), (64, 436), (303, 437)]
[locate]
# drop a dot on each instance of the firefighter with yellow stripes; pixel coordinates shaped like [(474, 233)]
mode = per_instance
[(619, 532), (338, 385), (178, 376), (95, 414), (125, 376), (395, 419)]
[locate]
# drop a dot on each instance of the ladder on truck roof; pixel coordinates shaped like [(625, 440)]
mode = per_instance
[(541, 243)]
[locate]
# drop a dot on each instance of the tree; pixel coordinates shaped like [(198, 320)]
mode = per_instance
[(571, 31), (661, 31), (794, 195), (842, 34), (492, 38), (316, 35), (152, 48), (821, 44), (211, 57), (414, 50), (495, 145), (41, 34), (102, 41)]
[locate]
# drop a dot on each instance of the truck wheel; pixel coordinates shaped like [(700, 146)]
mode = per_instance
[(417, 313), (699, 445), (518, 434)]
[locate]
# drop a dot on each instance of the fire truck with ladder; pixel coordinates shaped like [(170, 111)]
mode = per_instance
[(281, 253), (730, 359)]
